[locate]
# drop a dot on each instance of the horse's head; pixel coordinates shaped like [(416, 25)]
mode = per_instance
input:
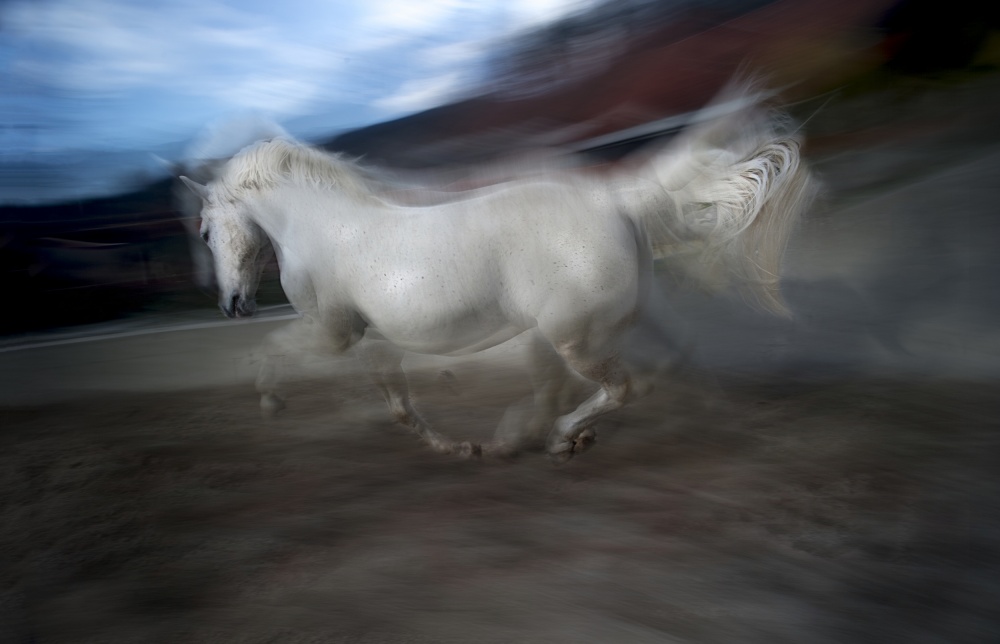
[(238, 245), (188, 204), (203, 158)]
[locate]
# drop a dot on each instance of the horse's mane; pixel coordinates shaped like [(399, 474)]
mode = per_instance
[(266, 164)]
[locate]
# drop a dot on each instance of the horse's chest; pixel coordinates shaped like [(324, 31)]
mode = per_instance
[(298, 284)]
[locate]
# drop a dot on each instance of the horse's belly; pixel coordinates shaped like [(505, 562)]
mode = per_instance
[(456, 333)]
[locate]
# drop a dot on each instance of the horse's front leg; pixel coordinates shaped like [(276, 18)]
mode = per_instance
[(330, 334), (383, 361), (293, 339)]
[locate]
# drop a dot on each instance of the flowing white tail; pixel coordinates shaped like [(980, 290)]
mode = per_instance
[(731, 191)]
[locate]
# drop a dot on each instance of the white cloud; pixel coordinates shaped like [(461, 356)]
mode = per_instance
[(532, 13), (409, 16), (232, 57), (208, 57), (270, 93), (456, 53), (420, 94)]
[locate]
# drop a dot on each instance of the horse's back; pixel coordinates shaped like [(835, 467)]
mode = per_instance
[(563, 251)]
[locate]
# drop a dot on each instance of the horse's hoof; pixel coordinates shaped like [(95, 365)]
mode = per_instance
[(584, 441), (562, 452), (270, 405), (469, 451)]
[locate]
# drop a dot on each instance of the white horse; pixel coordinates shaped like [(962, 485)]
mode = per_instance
[(566, 255)]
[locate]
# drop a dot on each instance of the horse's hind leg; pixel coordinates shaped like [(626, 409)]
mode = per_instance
[(526, 423), (383, 361), (572, 433)]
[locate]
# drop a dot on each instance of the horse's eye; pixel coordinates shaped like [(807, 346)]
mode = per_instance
[(204, 235)]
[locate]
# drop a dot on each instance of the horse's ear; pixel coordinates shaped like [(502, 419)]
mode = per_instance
[(197, 188)]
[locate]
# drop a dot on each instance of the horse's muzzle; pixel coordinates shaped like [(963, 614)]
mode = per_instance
[(238, 307)]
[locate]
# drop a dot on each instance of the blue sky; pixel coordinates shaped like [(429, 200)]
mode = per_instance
[(106, 77)]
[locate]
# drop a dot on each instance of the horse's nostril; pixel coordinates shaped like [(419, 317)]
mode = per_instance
[(233, 301)]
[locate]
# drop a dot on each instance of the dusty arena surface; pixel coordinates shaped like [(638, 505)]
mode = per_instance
[(711, 511)]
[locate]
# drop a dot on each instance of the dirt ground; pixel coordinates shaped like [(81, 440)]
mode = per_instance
[(827, 479), (711, 511)]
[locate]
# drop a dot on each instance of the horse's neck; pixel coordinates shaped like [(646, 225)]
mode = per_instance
[(268, 212), (296, 210)]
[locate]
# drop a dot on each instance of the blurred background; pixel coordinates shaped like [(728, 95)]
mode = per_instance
[(93, 89)]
